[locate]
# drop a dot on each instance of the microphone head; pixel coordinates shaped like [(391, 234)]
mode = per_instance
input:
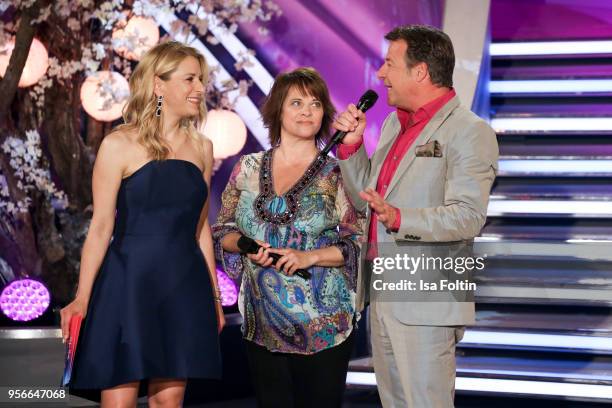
[(367, 100)]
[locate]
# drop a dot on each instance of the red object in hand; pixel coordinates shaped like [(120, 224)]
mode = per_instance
[(71, 345)]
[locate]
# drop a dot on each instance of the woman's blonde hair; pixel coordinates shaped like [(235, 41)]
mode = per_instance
[(139, 112)]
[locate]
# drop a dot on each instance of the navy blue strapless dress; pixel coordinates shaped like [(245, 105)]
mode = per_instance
[(151, 312)]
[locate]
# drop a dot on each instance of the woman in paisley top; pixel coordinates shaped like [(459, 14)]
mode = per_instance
[(292, 202)]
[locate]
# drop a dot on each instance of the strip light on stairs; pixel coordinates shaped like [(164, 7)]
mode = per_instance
[(565, 124), (550, 48), (560, 389), (550, 341), (550, 86), (573, 208), (503, 386), (554, 167)]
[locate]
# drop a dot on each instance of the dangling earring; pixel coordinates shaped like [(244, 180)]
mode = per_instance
[(159, 104)]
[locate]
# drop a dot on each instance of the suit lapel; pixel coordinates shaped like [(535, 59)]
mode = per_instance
[(423, 138)]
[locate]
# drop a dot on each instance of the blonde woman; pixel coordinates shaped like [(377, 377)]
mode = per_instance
[(147, 283)]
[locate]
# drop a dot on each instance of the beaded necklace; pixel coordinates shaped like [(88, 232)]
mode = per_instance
[(292, 196)]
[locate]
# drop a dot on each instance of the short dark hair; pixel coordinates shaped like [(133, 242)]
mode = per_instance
[(429, 45), (308, 81)]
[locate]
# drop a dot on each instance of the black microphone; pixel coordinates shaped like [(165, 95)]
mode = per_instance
[(250, 246), (367, 100)]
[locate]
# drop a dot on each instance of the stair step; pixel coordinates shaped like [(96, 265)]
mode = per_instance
[(547, 166), (548, 230), (568, 125), (527, 294), (550, 106), (534, 341), (559, 87), (544, 273), (516, 248), (585, 379), (560, 188), (527, 149), (500, 207), (547, 272), (534, 365), (575, 321), (575, 68)]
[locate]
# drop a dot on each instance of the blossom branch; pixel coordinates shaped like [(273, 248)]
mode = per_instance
[(23, 41)]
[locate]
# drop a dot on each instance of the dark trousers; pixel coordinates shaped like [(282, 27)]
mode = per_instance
[(287, 380)]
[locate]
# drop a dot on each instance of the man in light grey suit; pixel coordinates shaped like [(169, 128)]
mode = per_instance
[(426, 189)]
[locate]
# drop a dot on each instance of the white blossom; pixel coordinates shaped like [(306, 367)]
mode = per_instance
[(25, 158), (24, 4), (98, 50), (84, 3), (199, 23), (63, 8)]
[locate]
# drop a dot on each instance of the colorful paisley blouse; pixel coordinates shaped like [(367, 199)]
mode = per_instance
[(282, 313)]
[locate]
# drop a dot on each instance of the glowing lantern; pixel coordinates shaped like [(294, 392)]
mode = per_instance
[(227, 132), (24, 300), (139, 35), (104, 94), (36, 64)]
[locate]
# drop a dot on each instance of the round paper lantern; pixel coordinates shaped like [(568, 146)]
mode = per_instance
[(36, 64), (140, 32), (104, 94), (227, 132), (24, 300)]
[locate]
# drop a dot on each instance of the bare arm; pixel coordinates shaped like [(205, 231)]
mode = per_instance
[(230, 242), (205, 234), (328, 256), (106, 180)]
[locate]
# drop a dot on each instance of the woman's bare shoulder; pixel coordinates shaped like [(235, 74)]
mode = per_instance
[(204, 141), (117, 138), (205, 146), (120, 148)]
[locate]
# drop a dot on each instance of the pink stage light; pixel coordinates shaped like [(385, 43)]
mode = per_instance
[(24, 300), (229, 292)]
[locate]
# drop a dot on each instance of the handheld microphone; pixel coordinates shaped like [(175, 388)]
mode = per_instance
[(367, 100), (250, 246)]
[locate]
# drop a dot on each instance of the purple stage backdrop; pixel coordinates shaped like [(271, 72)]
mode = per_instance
[(516, 20), (342, 39)]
